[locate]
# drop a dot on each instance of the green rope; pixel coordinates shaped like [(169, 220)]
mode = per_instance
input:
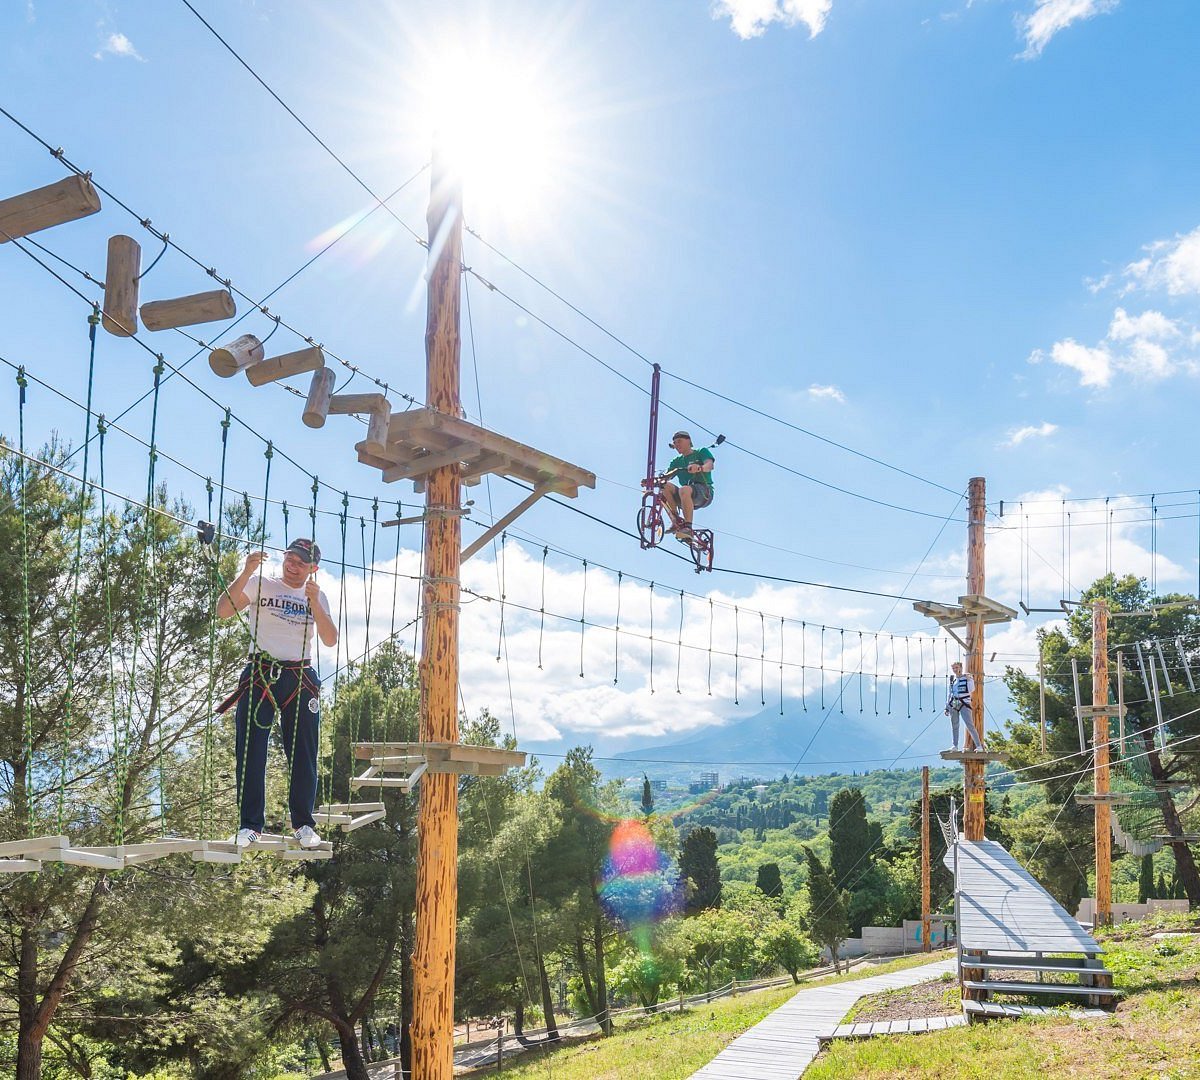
[(106, 588), (139, 604), (73, 639), (26, 628)]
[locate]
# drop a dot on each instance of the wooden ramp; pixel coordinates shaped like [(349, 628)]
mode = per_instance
[(783, 1045), (1002, 908)]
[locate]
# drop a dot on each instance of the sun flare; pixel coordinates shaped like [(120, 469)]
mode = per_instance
[(501, 131)]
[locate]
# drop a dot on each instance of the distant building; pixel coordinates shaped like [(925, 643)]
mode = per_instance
[(658, 785), (706, 781)]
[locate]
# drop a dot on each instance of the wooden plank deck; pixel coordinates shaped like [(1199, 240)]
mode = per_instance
[(1003, 908), (781, 1046), (894, 1027)]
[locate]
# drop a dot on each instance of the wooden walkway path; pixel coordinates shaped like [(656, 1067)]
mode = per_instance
[(781, 1046), (1004, 909)]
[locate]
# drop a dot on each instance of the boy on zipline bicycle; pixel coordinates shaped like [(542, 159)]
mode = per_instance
[(279, 682)]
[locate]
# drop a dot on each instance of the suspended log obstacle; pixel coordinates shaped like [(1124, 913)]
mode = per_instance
[(214, 306), (121, 286), (322, 402), (68, 199), (228, 359), (281, 367)]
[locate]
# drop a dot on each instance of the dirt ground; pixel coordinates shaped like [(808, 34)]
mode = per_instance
[(935, 998)]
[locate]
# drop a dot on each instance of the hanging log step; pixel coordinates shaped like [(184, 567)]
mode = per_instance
[(286, 365), (228, 359), (68, 199), (214, 306), (350, 816), (121, 286)]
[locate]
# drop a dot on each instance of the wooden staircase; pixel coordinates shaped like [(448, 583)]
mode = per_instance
[(1016, 940)]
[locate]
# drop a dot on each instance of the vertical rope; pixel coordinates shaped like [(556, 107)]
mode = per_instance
[(73, 638), (652, 637), (822, 668), (860, 671), (679, 645), (804, 665), (875, 682), (583, 616), (502, 560), (762, 661), (781, 666), (26, 618), (106, 588), (616, 627), (542, 609)]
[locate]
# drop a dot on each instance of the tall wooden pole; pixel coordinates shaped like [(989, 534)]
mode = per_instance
[(973, 787), (1103, 915), (926, 943), (437, 846)]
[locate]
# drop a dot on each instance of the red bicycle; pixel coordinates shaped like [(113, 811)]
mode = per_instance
[(652, 523)]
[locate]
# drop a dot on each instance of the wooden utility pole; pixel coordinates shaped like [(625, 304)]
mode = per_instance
[(926, 943), (973, 786), (1103, 914), (437, 847)]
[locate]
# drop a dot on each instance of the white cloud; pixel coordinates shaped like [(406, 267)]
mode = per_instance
[(117, 44), (826, 393), (1171, 264), (1051, 16), (1148, 346), (1031, 431), (750, 18), (1094, 365), (1150, 325)]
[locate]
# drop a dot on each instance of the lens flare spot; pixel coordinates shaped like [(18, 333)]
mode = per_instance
[(639, 884)]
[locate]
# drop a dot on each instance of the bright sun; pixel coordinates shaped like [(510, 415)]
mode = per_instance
[(499, 130)]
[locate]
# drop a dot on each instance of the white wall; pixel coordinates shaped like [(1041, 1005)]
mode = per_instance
[(1122, 912)]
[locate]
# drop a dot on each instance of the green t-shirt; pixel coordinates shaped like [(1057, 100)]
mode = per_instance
[(696, 457)]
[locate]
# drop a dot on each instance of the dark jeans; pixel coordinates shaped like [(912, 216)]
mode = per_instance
[(300, 725)]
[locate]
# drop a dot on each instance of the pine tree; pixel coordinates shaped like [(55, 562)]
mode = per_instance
[(1146, 889), (698, 864), (647, 796), (828, 907), (770, 883)]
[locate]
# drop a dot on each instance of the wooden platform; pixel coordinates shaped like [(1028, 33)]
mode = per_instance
[(969, 608), (444, 757), (1003, 908), (784, 1044), (1111, 798), (421, 440), (973, 755)]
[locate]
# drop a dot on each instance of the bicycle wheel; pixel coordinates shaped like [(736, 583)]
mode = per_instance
[(650, 526)]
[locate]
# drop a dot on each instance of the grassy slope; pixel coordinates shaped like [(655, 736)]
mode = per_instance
[(1155, 1031), (671, 1046)]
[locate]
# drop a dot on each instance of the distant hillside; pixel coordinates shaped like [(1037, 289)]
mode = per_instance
[(767, 746)]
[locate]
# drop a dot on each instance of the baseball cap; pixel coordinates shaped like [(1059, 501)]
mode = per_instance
[(681, 435), (306, 550)]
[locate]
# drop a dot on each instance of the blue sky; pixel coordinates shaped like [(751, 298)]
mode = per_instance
[(961, 237)]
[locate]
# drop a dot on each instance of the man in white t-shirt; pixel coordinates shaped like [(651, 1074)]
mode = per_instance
[(284, 614)]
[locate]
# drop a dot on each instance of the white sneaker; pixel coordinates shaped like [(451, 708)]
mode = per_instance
[(245, 837), (307, 836)]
